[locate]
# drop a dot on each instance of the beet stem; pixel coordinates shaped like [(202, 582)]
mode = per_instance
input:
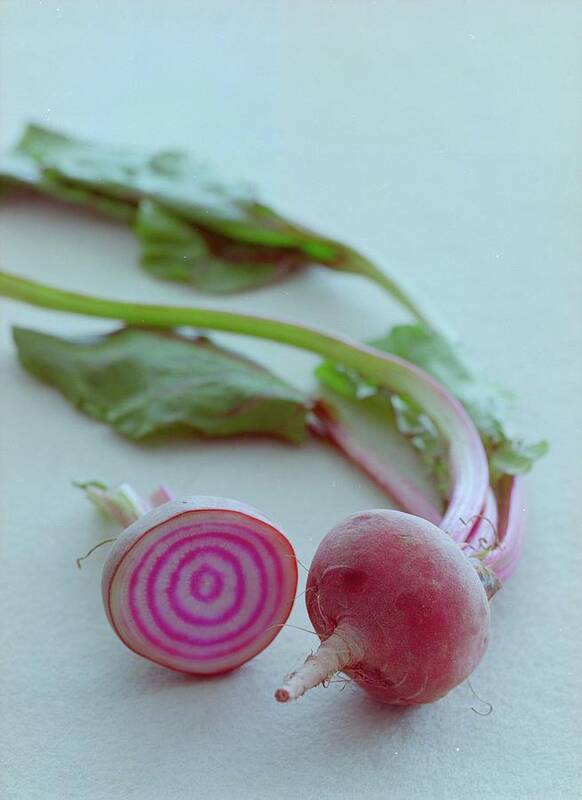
[(401, 490)]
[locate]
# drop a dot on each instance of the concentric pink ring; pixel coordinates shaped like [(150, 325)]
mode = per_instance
[(216, 586), (199, 517), (178, 637), (174, 601)]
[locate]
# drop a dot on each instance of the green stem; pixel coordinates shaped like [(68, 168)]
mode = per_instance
[(122, 504), (360, 265), (466, 454), (345, 259)]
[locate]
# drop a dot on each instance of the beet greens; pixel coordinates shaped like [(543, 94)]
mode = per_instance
[(158, 373)]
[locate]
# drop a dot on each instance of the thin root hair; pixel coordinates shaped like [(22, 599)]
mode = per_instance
[(309, 589), (79, 561), (485, 519), (294, 557), (480, 699), (289, 625)]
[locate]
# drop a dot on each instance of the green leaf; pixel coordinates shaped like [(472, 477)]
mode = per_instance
[(233, 224), (191, 228), (345, 381), (516, 457), (17, 170), (178, 251), (487, 404), (413, 422), (144, 381), (173, 179), (125, 172)]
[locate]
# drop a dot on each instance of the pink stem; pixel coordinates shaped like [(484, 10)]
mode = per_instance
[(161, 495), (500, 525), (404, 492), (503, 558), (504, 535)]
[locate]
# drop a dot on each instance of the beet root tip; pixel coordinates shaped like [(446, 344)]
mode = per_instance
[(332, 656)]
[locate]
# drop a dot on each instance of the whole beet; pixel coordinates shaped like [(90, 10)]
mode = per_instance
[(398, 607)]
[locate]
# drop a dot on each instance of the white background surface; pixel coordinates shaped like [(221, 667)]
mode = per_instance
[(441, 138)]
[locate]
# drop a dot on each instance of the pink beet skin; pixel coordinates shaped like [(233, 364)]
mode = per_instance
[(405, 599)]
